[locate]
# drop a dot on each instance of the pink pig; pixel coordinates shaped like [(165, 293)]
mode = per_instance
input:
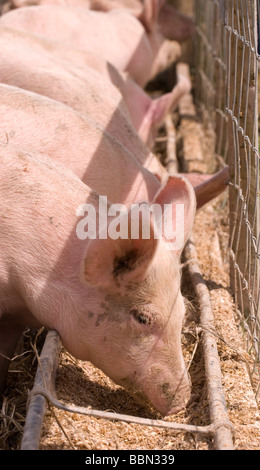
[(34, 122), (116, 303), (36, 69), (37, 123), (172, 24), (141, 54)]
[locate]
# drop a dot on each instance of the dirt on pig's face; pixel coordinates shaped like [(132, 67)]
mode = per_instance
[(131, 327), (135, 332)]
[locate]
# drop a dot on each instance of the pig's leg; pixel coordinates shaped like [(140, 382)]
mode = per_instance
[(9, 337)]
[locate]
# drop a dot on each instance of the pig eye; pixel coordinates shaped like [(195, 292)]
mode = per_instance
[(140, 317)]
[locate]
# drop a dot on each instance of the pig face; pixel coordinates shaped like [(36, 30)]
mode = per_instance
[(139, 331), (137, 315)]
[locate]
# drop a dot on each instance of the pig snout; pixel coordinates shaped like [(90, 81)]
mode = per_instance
[(168, 393)]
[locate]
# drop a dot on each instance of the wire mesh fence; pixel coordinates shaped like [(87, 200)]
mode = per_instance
[(227, 62)]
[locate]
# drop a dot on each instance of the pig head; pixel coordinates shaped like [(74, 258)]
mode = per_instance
[(140, 306)]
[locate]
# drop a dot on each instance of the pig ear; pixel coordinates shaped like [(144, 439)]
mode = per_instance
[(207, 187), (109, 261), (150, 15), (178, 203)]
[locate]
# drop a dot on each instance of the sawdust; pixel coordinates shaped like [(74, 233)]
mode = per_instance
[(241, 404)]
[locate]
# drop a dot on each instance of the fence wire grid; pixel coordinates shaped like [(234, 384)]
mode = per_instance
[(227, 84)]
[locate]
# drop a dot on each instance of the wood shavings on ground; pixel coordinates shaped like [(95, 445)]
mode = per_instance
[(211, 232)]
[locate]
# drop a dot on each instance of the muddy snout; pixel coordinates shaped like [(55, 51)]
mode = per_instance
[(167, 395)]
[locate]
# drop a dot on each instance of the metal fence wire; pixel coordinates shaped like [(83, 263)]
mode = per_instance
[(227, 81)]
